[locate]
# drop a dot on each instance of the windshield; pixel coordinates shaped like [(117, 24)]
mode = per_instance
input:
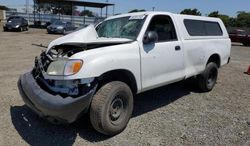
[(59, 23), (16, 20), (126, 27)]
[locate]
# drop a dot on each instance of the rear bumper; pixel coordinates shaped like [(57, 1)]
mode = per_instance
[(52, 107)]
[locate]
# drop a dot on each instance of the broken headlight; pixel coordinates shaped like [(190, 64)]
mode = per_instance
[(64, 67)]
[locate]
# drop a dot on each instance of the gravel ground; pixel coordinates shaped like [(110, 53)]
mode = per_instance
[(172, 115)]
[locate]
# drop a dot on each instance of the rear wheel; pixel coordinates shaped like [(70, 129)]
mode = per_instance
[(111, 108), (208, 78)]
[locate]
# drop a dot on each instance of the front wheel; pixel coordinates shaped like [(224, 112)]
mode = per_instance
[(208, 78), (20, 29), (111, 108)]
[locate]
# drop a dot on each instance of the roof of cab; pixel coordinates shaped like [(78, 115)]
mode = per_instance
[(167, 13), (138, 13)]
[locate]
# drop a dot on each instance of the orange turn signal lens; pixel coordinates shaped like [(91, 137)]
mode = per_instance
[(72, 67), (77, 66)]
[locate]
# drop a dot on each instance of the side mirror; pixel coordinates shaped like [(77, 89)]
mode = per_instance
[(150, 37)]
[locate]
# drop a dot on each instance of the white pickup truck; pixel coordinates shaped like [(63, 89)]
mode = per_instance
[(98, 70)]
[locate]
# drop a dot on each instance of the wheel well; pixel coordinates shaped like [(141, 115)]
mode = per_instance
[(119, 75), (214, 58)]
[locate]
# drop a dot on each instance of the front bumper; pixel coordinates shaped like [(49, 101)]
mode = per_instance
[(52, 107), (10, 28), (57, 31)]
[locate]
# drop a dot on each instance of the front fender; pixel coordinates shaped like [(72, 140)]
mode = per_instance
[(101, 60)]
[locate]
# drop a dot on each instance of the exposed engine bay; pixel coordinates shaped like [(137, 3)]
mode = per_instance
[(73, 88), (49, 68), (62, 53)]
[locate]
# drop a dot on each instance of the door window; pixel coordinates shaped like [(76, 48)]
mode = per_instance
[(164, 27)]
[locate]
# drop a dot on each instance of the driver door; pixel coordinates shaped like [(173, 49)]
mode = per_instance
[(162, 62)]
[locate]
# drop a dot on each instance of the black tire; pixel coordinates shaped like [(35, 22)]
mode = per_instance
[(245, 44), (105, 115), (20, 29), (207, 80)]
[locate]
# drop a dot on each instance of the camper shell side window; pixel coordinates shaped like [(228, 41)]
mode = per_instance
[(203, 28)]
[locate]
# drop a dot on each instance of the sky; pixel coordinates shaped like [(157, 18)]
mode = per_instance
[(228, 7)]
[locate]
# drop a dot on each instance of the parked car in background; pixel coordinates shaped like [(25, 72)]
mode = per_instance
[(16, 23), (50, 22), (240, 36), (60, 27), (79, 28)]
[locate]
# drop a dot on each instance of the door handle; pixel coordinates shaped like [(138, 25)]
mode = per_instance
[(177, 48)]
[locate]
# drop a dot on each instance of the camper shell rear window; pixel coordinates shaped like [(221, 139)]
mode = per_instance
[(203, 28)]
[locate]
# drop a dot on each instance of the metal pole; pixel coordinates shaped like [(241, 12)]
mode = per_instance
[(34, 13), (107, 9), (27, 1), (27, 9), (84, 16), (59, 10), (101, 12), (72, 13), (39, 14)]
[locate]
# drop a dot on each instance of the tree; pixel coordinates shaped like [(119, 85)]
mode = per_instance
[(3, 7), (87, 13), (232, 22), (214, 14), (54, 8), (191, 12), (136, 10), (243, 19), (224, 18)]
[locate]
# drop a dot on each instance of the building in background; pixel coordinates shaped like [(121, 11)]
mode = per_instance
[(44, 11), (3, 12)]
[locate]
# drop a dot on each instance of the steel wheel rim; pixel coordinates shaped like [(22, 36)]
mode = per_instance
[(117, 110), (212, 77)]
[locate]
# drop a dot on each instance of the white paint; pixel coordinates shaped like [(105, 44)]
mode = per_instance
[(152, 65), (87, 35)]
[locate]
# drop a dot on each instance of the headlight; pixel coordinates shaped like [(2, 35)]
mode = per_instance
[(59, 27), (17, 26), (65, 67)]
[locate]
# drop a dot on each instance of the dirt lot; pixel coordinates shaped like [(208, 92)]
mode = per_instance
[(172, 115)]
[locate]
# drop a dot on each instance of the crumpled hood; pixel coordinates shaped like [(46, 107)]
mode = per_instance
[(87, 35)]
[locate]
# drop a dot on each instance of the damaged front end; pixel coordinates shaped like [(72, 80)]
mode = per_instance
[(46, 91), (54, 89), (51, 68)]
